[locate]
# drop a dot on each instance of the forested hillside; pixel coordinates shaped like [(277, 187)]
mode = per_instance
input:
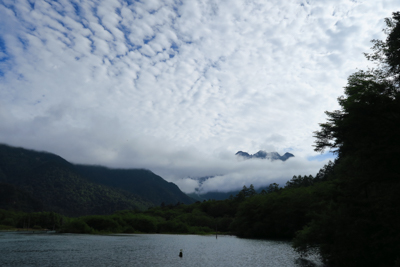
[(141, 182), (40, 181), (16, 199)]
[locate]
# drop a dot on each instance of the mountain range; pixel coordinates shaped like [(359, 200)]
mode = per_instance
[(264, 155), (41, 181)]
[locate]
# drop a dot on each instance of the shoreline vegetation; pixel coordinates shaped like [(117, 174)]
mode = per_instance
[(248, 214)]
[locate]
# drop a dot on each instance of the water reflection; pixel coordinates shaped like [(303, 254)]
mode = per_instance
[(145, 250)]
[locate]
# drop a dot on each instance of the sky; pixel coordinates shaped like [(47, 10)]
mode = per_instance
[(178, 87)]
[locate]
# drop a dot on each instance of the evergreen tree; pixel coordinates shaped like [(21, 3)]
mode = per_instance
[(251, 191), (360, 226), (274, 187)]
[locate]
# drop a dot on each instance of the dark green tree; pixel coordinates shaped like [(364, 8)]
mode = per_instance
[(360, 225), (251, 191), (386, 53), (274, 187), (325, 173)]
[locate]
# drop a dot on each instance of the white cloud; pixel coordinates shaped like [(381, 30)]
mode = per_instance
[(172, 87)]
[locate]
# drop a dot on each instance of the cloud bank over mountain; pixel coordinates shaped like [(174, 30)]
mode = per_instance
[(179, 87), (264, 155)]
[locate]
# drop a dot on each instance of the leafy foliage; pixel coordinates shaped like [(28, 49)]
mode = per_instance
[(300, 181), (360, 225), (42, 220)]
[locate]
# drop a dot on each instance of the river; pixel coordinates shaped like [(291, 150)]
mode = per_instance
[(27, 249)]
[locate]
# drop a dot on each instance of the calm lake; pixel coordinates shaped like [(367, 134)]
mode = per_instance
[(22, 249)]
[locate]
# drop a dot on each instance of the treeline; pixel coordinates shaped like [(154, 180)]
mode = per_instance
[(283, 212), (274, 213), (279, 213), (35, 220), (198, 218)]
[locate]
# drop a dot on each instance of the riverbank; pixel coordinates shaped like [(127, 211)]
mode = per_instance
[(27, 230)]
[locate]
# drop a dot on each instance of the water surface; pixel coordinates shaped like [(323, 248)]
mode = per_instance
[(22, 249)]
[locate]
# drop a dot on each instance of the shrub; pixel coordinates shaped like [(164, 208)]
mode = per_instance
[(77, 226), (102, 223), (8, 222)]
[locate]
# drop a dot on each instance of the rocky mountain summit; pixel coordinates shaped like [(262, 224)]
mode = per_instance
[(264, 155)]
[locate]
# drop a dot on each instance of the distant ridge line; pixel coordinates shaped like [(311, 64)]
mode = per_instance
[(262, 154)]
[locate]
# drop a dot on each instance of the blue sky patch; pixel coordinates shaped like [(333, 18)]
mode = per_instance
[(4, 57), (322, 157), (147, 40), (2, 45)]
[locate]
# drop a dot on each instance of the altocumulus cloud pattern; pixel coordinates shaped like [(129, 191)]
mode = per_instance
[(179, 86)]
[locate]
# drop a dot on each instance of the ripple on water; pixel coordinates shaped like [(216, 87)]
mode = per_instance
[(145, 250)]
